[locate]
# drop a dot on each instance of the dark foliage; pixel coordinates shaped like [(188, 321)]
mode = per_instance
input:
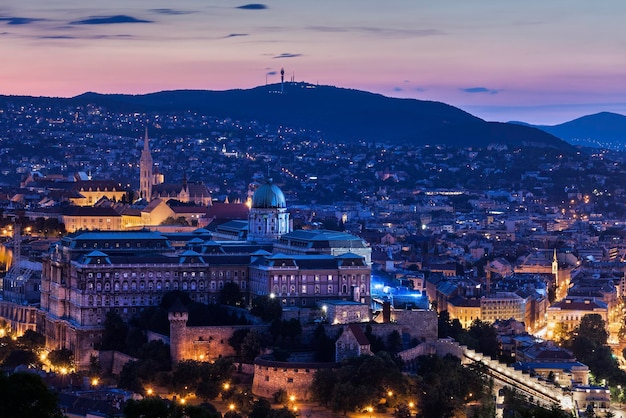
[(26, 395)]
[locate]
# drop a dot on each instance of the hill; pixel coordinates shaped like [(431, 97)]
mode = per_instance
[(603, 129), (339, 114)]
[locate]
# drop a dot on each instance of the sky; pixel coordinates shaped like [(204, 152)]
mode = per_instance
[(538, 61)]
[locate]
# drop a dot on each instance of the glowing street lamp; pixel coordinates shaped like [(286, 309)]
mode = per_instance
[(231, 406), (149, 392), (370, 409)]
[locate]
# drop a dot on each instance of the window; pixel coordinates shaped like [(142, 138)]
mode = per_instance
[(303, 288), (330, 288)]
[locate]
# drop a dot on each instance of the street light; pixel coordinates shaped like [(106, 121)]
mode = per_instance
[(370, 409)]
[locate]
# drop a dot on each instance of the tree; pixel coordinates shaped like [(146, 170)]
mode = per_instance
[(260, 409), (231, 295), (94, 366), (62, 358), (267, 308), (26, 395), (129, 379), (592, 326), (251, 346), (237, 338), (146, 408), (115, 332), (32, 340), (18, 357), (394, 342)]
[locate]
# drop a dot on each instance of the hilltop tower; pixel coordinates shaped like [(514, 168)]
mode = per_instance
[(282, 80), (145, 170)]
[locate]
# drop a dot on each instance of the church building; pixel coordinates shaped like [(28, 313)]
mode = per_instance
[(152, 185)]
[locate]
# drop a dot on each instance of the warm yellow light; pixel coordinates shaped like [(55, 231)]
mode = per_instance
[(226, 386), (149, 392), (43, 356), (182, 401), (231, 407), (370, 409), (390, 393), (94, 381), (201, 356), (295, 408), (411, 404), (63, 370), (292, 398)]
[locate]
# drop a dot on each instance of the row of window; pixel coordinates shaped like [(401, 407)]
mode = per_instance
[(317, 278), (317, 289), (158, 285), (158, 274)]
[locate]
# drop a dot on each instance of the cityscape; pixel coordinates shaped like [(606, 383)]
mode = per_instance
[(273, 246)]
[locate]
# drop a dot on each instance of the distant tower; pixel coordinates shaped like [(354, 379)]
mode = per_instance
[(282, 80), (145, 170), (555, 268)]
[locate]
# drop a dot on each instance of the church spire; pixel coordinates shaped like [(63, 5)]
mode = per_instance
[(146, 141), (146, 167)]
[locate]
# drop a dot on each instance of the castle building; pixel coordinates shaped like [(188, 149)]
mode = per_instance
[(89, 273), (268, 219)]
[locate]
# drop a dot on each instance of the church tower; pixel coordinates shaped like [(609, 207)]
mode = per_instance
[(268, 219), (145, 170), (555, 269)]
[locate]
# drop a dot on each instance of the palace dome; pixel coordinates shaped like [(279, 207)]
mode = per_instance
[(268, 196)]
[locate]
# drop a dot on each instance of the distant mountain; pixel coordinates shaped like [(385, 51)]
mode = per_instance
[(603, 129), (339, 114)]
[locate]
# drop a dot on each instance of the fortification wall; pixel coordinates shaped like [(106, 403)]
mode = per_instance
[(294, 378)]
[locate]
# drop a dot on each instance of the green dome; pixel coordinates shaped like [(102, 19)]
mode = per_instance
[(268, 196)]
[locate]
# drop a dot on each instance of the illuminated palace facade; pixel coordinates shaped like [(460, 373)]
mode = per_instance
[(87, 274)]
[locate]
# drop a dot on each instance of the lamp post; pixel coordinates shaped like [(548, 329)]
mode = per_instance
[(370, 409)]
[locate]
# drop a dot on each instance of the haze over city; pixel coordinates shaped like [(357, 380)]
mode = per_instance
[(540, 62)]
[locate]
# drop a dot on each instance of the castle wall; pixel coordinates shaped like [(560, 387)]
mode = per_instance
[(294, 378), (201, 343), (113, 361)]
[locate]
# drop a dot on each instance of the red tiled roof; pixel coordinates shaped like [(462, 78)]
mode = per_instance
[(358, 334)]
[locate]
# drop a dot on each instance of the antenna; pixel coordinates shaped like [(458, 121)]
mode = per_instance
[(282, 80)]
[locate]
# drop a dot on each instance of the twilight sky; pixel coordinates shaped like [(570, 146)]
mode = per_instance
[(540, 61)]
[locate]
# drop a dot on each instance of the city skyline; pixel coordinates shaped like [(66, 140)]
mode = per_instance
[(536, 62)]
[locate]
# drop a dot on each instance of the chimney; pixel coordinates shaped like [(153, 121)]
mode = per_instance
[(386, 312)]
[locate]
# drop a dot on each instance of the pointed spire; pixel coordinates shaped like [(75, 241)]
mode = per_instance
[(146, 142)]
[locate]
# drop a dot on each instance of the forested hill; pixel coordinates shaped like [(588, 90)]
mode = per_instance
[(339, 114)]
